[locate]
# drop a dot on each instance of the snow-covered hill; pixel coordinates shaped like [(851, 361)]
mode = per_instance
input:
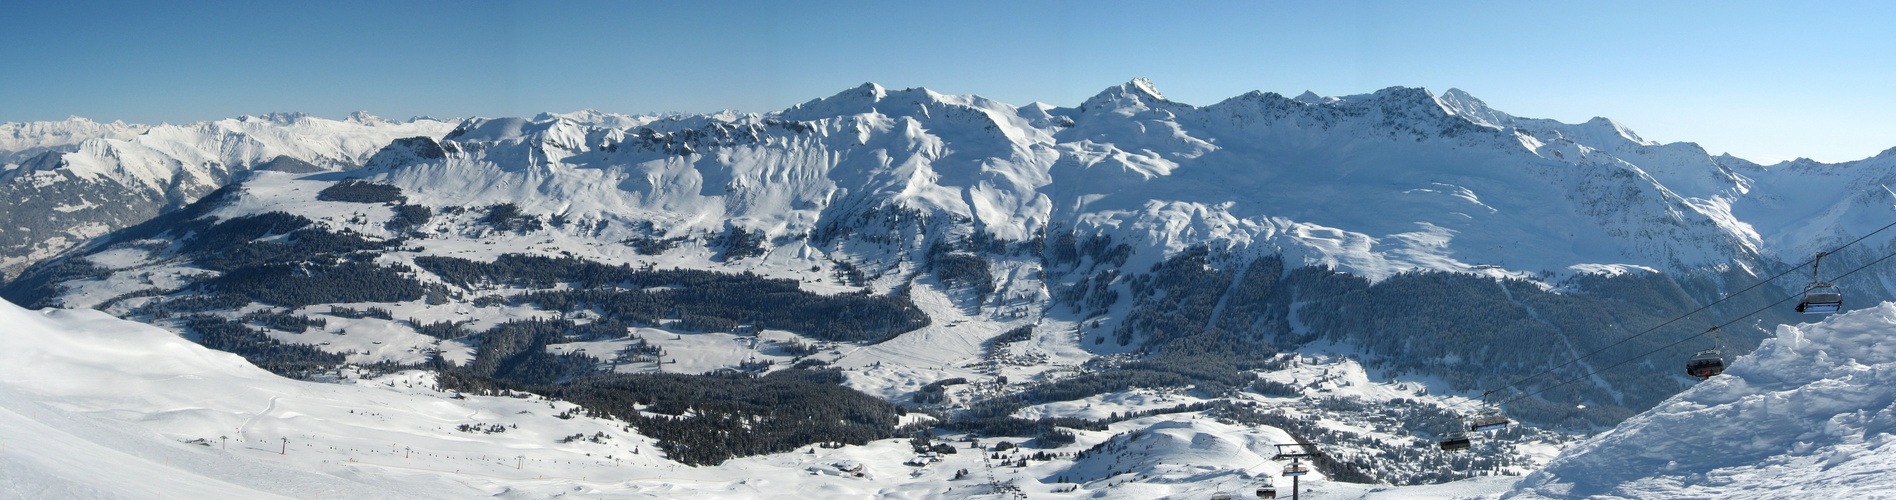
[(94, 406), (1810, 414)]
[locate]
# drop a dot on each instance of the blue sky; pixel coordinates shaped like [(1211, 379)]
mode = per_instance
[(1763, 81)]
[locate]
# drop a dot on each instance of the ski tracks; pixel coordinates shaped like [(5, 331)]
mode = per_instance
[(253, 418)]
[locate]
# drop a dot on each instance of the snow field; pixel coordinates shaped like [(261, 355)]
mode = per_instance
[(97, 380), (372, 436)]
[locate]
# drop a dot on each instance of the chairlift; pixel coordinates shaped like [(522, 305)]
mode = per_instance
[(1295, 450), (1295, 469), (1457, 442), (1707, 363), (1221, 496), (1488, 420), (1820, 297), (1267, 491), (1490, 417)]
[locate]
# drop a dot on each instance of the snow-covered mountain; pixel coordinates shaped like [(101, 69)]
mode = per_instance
[(1809, 414), (1341, 269), (19, 141), (71, 181), (1374, 184), (1070, 205)]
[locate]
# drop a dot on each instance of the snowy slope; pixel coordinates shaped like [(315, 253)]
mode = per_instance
[(1807, 415), (74, 180), (92, 406), (96, 406)]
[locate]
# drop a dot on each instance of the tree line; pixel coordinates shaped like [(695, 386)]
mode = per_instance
[(700, 300)]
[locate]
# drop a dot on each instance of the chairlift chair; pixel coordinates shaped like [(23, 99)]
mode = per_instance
[(1295, 450), (1267, 491), (1457, 442), (1221, 496), (1295, 469), (1820, 297), (1488, 420)]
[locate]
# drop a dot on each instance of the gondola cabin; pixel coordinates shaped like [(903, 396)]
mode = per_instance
[(1488, 420), (1706, 364), (1457, 442), (1821, 298)]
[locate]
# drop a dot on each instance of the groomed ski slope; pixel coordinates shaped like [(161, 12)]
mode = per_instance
[(1810, 414)]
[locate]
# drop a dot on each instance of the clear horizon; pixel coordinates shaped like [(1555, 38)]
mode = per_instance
[(1761, 81)]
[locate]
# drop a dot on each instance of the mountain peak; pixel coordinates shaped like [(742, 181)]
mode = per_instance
[(1309, 97), (867, 92), (1617, 128), (282, 117), (1138, 93), (1463, 104), (491, 130), (1145, 86), (363, 117), (861, 99)]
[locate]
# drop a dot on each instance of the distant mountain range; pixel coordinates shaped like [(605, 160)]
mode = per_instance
[(75, 180), (1374, 184)]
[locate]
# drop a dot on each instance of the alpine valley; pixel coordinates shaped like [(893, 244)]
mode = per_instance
[(906, 294)]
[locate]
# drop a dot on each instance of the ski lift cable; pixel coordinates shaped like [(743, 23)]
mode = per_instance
[(1629, 338), (1247, 469), (1690, 338), (1243, 471), (1583, 357)]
